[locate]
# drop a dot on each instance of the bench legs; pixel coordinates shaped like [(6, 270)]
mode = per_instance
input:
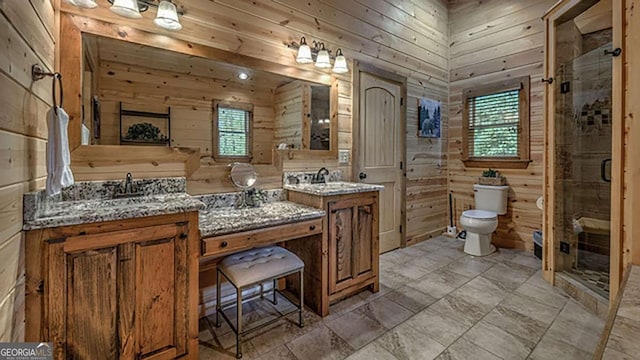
[(238, 329)]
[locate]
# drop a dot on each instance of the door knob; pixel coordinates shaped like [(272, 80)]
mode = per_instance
[(362, 176)]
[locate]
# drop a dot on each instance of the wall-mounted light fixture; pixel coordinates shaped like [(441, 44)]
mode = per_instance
[(321, 55), (166, 17)]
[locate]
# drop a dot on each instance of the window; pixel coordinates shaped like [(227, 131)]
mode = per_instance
[(496, 125), (232, 131)]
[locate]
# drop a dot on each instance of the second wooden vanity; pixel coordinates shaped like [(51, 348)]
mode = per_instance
[(351, 234)]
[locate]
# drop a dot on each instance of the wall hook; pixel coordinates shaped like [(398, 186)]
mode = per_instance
[(615, 52), (548, 81)]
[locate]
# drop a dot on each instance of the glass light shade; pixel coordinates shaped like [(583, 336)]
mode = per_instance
[(340, 66), (167, 17), (87, 4), (126, 8), (304, 54), (323, 61)]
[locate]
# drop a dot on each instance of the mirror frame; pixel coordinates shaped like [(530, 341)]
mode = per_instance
[(72, 27)]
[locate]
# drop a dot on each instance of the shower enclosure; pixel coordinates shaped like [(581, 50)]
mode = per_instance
[(579, 128)]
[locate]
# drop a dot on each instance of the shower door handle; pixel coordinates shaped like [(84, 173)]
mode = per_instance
[(603, 170)]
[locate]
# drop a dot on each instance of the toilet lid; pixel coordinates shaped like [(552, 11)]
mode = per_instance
[(479, 214)]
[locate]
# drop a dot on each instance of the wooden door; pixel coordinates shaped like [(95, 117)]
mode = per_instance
[(351, 242), (381, 151)]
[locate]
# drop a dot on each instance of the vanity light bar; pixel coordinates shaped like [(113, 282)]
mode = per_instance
[(166, 16), (319, 55)]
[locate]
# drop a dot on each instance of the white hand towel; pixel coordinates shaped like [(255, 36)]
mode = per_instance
[(58, 158)]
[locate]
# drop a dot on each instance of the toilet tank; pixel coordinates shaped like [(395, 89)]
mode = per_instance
[(491, 198)]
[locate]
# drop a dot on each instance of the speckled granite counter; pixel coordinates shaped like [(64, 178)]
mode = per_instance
[(333, 188), (92, 201), (222, 220)]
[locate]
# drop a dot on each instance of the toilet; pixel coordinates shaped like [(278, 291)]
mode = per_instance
[(480, 223)]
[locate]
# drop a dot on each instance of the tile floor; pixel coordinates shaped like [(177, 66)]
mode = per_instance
[(435, 302)]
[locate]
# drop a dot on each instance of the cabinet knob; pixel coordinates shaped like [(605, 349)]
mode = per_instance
[(312, 227), (183, 236), (224, 244)]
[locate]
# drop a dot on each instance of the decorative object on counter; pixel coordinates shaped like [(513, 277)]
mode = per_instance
[(492, 177), (251, 198), (429, 118), (322, 56), (145, 133), (59, 173), (166, 17), (243, 175)]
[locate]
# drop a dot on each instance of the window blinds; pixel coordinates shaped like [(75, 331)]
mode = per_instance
[(493, 128), (233, 132)]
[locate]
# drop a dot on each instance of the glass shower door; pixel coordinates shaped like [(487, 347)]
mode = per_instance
[(583, 84)]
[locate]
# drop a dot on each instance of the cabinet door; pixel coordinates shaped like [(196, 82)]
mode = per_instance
[(351, 242), (341, 246), (119, 295), (83, 303)]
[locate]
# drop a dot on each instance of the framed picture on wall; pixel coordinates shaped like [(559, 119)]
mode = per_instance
[(429, 116)]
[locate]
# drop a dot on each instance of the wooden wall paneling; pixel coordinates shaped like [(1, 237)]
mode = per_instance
[(491, 42)]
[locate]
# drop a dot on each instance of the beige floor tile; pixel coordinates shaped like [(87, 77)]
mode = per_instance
[(459, 308), (439, 283), (372, 351), (469, 266), (405, 342), (516, 323), (279, 353), (321, 343), (356, 329), (465, 350), (498, 341), (530, 308), (551, 349), (624, 336), (610, 354), (483, 292), (385, 312), (411, 298), (544, 295), (440, 328), (508, 276)]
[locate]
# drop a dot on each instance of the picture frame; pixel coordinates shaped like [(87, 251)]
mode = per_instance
[(429, 118)]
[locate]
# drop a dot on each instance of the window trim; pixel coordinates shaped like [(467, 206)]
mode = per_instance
[(524, 157), (216, 139)]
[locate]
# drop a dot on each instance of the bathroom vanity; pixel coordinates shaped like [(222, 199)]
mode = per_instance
[(113, 278), (351, 233)]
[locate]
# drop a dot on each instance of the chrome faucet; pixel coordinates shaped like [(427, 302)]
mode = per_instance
[(320, 176), (128, 184)]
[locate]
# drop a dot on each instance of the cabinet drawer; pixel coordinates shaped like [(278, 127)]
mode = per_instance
[(248, 239)]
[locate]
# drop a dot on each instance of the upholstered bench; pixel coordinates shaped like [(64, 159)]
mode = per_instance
[(256, 267)]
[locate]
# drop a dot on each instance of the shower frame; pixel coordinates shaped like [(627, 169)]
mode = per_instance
[(551, 262)]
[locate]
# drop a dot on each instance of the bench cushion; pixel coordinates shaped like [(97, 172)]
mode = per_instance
[(261, 264)]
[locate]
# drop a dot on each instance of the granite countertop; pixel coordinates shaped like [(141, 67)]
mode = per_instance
[(93, 201), (77, 212), (225, 220), (333, 188)]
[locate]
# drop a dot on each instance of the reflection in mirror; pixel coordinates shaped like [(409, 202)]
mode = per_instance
[(179, 91), (243, 175), (320, 118)]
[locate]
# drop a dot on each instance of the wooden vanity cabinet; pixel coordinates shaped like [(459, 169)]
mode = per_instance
[(352, 233), (115, 290)]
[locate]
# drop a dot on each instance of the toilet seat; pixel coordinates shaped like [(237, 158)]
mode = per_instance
[(480, 214)]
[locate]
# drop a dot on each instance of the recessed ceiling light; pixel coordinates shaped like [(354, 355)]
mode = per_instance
[(243, 76)]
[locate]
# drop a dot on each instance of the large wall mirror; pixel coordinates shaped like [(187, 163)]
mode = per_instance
[(141, 95), (149, 90)]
